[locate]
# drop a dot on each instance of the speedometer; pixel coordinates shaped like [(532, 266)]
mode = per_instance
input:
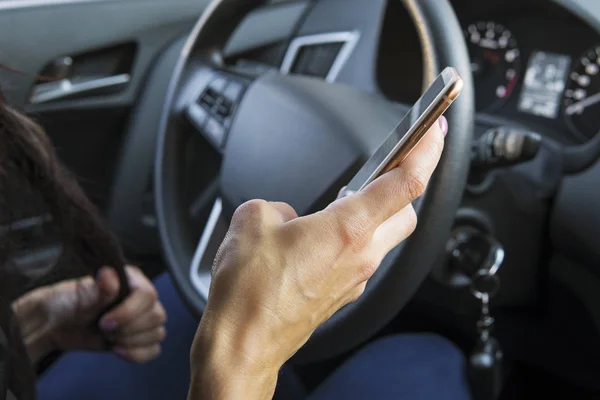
[(582, 96), (494, 63)]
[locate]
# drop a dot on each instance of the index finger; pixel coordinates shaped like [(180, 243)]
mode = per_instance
[(399, 187)]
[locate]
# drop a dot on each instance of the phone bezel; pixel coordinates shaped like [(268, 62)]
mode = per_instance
[(452, 87)]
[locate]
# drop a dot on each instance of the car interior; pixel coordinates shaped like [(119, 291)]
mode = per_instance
[(173, 113)]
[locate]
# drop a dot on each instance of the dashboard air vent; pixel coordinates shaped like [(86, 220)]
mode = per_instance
[(316, 60), (321, 55)]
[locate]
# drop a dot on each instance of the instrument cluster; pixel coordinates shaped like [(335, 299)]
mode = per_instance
[(535, 64), (547, 83)]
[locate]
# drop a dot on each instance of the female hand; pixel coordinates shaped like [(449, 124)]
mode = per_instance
[(64, 316), (277, 277)]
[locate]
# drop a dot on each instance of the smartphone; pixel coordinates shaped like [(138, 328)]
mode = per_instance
[(411, 129)]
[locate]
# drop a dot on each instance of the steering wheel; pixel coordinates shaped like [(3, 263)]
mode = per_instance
[(299, 140)]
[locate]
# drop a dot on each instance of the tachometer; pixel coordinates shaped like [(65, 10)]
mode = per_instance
[(495, 63), (582, 96)]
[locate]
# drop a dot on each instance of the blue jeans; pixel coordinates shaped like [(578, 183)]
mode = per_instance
[(411, 367)]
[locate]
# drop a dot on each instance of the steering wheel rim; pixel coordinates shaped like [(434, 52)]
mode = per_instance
[(405, 267)]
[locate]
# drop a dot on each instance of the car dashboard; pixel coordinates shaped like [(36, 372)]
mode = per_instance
[(534, 64)]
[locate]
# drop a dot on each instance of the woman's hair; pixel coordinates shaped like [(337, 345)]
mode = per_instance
[(30, 167)]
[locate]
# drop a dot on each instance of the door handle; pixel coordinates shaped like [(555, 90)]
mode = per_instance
[(68, 88)]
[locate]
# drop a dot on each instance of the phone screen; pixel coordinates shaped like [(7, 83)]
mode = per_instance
[(407, 127)]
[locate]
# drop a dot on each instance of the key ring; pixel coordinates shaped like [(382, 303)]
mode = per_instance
[(492, 281)]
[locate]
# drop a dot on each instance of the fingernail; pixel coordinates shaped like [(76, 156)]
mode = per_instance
[(108, 325), (120, 351), (98, 274), (132, 284), (443, 125)]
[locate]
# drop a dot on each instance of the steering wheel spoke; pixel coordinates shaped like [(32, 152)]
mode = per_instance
[(206, 250), (203, 199)]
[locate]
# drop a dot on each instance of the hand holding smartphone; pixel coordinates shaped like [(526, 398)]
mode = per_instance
[(411, 129)]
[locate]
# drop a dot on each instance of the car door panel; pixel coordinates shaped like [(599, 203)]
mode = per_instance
[(87, 131), (33, 36)]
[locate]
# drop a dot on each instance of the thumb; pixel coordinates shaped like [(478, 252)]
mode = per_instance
[(108, 285)]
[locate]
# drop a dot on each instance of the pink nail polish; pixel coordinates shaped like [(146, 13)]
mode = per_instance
[(132, 284), (108, 325), (99, 273), (443, 125), (120, 351)]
